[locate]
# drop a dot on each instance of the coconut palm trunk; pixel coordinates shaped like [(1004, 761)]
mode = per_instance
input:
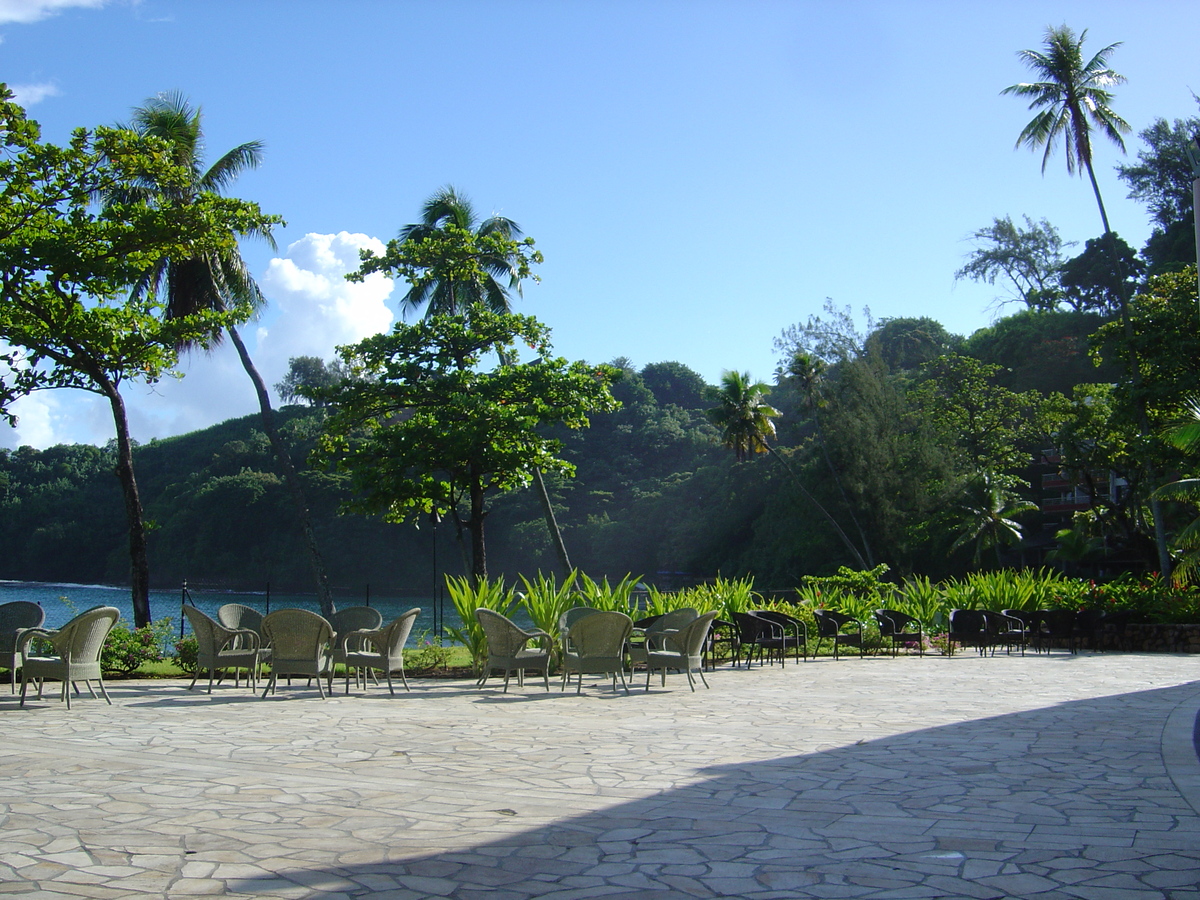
[(290, 478)]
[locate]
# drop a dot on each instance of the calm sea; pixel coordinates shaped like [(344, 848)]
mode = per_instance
[(62, 601)]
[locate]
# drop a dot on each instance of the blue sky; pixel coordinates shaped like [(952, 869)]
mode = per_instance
[(699, 175)]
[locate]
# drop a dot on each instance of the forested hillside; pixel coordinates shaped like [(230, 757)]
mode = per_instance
[(870, 428)]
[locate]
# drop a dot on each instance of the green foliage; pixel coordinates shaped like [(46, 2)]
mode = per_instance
[(468, 595), (545, 600), (187, 654), (422, 426), (429, 654), (1029, 259), (127, 649), (603, 595), (742, 414)]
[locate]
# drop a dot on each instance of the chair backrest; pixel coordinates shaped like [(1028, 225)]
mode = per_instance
[(353, 618), (203, 628), (1030, 619), (966, 621), (82, 639), (296, 634), (573, 615), (892, 621), (829, 622), (395, 635), (690, 639), (18, 614), (752, 628), (504, 638), (675, 620), (601, 635), (1057, 622), (235, 615)]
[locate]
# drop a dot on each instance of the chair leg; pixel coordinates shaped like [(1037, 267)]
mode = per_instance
[(702, 678)]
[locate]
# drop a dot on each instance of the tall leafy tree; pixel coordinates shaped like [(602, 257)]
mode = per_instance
[(743, 414), (1072, 96), (424, 425), (66, 268), (989, 518), (215, 280), (1162, 180), (1027, 258), (454, 262)]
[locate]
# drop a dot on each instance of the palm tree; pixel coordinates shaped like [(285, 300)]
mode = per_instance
[(447, 292), (1072, 96), (216, 281), (743, 414), (744, 417), (989, 518), (447, 287)]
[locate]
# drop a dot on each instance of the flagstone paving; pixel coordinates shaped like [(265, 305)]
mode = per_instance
[(1044, 776)]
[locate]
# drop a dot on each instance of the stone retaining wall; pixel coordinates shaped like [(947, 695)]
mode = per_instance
[(1153, 639)]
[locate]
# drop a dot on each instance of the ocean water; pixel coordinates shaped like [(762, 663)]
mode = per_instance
[(63, 601)]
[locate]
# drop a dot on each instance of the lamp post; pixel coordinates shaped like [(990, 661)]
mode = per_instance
[(1193, 152)]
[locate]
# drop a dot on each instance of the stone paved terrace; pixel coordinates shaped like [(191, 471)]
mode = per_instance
[(1043, 776)]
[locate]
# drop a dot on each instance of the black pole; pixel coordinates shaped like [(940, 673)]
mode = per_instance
[(434, 518)]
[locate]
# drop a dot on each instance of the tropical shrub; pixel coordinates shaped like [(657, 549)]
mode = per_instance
[(468, 597), (126, 649), (187, 654)]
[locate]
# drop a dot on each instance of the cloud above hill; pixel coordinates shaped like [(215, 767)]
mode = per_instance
[(312, 309)]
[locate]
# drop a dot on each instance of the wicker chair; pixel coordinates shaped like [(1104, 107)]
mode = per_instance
[(299, 642), (77, 646), (348, 625), (221, 648), (654, 631), (14, 618), (793, 633), (967, 628), (596, 646), (507, 649), (380, 650), (682, 650), (237, 616)]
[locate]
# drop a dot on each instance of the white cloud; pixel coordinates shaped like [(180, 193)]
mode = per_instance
[(318, 308), (312, 310), (24, 12), (29, 94)]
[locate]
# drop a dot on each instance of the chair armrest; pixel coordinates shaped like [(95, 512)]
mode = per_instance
[(358, 635), (26, 635), (252, 637)]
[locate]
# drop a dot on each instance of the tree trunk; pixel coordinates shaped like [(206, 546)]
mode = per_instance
[(475, 526), (289, 475), (817, 503), (552, 524), (139, 562)]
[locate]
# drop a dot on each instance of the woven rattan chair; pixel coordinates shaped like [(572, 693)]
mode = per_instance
[(682, 650), (299, 642), (15, 617), (236, 616), (347, 626), (380, 650), (651, 636), (220, 648), (508, 650), (968, 628), (596, 646), (77, 648)]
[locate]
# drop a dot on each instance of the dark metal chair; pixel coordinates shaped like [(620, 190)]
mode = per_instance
[(901, 629), (968, 628), (1004, 631), (757, 635), (795, 632), (831, 626)]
